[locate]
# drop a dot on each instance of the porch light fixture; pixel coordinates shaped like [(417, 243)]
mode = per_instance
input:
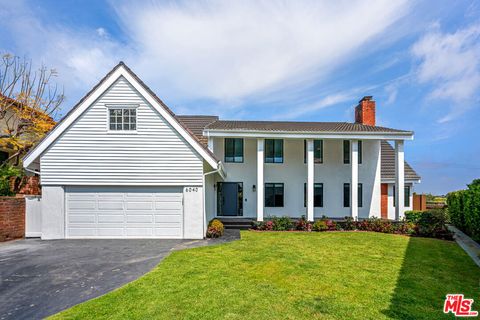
[(254, 188)]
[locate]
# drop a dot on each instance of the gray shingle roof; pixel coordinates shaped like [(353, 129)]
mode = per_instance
[(196, 124), (388, 164), (293, 126)]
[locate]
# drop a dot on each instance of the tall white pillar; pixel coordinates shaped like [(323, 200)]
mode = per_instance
[(399, 180), (260, 182), (310, 180), (354, 184)]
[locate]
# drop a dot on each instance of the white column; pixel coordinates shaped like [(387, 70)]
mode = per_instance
[(260, 182), (399, 179), (310, 180), (354, 184)]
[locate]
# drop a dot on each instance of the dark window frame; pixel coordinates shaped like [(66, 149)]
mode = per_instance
[(346, 151), (406, 200), (317, 154), (232, 158), (275, 144), (278, 191), (360, 151), (347, 195), (316, 186)]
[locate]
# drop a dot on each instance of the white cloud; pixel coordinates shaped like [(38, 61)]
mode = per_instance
[(392, 92), (450, 61), (229, 50), (226, 51), (80, 56), (324, 102), (102, 32)]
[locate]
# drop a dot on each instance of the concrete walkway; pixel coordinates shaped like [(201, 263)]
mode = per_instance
[(39, 278), (471, 247)]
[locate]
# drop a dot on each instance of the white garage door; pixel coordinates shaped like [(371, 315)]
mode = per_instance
[(129, 212)]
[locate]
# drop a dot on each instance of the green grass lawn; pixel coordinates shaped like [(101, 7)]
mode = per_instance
[(289, 275)]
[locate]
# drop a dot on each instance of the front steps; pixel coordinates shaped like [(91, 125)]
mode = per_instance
[(237, 223)]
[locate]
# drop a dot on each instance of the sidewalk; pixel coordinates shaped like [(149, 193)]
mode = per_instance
[(471, 247)]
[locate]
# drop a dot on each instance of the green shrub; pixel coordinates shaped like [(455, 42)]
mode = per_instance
[(215, 229), (464, 209), (375, 225), (349, 224), (303, 224), (320, 225), (282, 223), (432, 223), (413, 215), (6, 173)]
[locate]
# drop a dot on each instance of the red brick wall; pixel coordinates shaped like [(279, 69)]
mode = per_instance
[(26, 185), (12, 218)]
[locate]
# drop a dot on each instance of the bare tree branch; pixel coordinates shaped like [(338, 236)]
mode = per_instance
[(28, 101)]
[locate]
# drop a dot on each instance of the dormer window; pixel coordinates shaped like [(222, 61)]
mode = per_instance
[(122, 118)]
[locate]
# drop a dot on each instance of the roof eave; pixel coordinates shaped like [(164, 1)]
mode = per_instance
[(404, 135)]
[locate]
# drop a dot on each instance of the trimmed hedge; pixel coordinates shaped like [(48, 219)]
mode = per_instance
[(430, 224), (464, 209)]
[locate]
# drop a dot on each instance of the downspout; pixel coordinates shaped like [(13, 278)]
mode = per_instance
[(32, 171), (219, 171)]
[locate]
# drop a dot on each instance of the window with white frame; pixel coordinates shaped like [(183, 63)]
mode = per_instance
[(122, 119)]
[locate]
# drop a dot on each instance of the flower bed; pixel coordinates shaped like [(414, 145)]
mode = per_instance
[(431, 225)]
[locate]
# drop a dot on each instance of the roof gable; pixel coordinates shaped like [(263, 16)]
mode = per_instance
[(120, 70)]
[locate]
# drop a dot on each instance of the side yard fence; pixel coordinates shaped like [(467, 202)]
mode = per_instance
[(20, 215)]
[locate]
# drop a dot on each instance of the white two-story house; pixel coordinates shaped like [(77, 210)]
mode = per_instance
[(121, 164)]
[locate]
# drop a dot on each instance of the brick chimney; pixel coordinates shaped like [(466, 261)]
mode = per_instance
[(365, 111)]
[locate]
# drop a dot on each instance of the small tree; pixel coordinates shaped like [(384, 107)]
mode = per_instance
[(28, 103)]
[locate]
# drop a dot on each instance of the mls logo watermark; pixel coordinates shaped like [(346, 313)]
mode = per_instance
[(459, 306)]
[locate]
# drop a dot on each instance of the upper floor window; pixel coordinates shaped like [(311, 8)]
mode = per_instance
[(233, 150), (273, 150), (317, 151), (346, 151), (123, 119)]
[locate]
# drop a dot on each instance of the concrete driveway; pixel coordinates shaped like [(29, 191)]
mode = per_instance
[(39, 278)]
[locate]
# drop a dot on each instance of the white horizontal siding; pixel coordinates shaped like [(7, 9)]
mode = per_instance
[(88, 154)]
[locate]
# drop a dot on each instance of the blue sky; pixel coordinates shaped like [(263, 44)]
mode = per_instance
[(289, 60)]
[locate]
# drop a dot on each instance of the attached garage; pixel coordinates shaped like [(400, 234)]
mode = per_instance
[(124, 212), (121, 165)]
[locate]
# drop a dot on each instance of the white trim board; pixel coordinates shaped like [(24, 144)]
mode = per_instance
[(118, 72), (307, 135)]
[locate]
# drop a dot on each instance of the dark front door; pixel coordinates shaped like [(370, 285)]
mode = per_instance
[(229, 198)]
